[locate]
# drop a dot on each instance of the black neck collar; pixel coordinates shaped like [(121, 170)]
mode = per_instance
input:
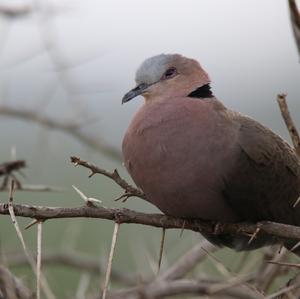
[(202, 92)]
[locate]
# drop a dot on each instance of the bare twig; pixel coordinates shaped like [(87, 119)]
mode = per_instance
[(30, 259), (34, 188), (270, 272), (15, 11), (11, 287), (162, 289), (83, 285), (281, 99), (110, 259), (295, 21), (281, 291), (129, 189), (219, 265), (74, 260), (188, 261), (39, 259), (292, 265), (7, 168), (161, 248), (68, 128)]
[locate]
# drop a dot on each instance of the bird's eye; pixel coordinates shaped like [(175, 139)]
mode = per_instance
[(170, 73)]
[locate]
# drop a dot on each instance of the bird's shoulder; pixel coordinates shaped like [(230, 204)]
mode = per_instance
[(263, 146)]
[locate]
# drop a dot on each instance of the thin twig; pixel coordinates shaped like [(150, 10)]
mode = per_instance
[(161, 248), (219, 264), (11, 287), (16, 11), (110, 259), (165, 289), (282, 291), (39, 259), (188, 261), (266, 276), (68, 128), (293, 265), (30, 259), (83, 285), (129, 189), (281, 99), (74, 260), (295, 21), (34, 188)]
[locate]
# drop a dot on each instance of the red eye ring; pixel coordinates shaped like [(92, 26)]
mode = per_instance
[(169, 73)]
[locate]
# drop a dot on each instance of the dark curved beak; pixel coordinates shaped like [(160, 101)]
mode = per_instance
[(138, 90)]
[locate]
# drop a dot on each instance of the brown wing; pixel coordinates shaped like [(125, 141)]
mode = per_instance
[(264, 182)]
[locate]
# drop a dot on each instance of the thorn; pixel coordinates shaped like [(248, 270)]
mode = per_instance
[(295, 246), (182, 229), (296, 202), (11, 191), (94, 200), (254, 235), (123, 197), (33, 222), (81, 194), (92, 174), (90, 201), (161, 249), (116, 173)]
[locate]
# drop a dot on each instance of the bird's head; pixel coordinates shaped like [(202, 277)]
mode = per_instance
[(167, 75)]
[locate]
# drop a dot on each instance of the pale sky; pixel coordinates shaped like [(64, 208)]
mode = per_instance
[(246, 46)]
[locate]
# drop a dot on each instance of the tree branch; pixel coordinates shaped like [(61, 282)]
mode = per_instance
[(281, 99), (163, 289), (295, 21), (74, 260), (129, 189), (282, 231), (11, 287), (68, 128)]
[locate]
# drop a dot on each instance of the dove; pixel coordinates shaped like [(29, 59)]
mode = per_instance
[(196, 159)]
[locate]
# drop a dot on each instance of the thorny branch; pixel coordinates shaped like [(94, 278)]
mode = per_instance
[(281, 99), (171, 282), (8, 167), (295, 21), (279, 230), (129, 189), (7, 171)]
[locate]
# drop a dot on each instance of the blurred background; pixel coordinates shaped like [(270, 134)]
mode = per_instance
[(72, 61)]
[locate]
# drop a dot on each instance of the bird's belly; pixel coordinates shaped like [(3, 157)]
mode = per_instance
[(180, 174)]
